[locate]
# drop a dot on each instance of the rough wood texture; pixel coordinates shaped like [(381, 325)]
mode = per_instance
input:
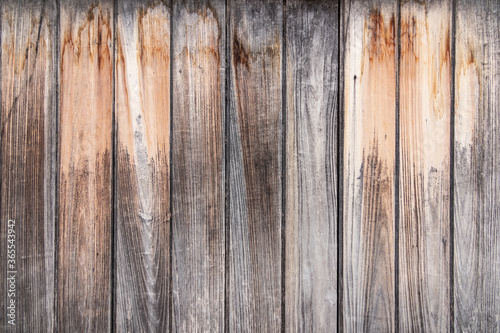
[(198, 166), (28, 142), (143, 182), (85, 166), (311, 207), (425, 73), (477, 167), (255, 166), (59, 153), (369, 153)]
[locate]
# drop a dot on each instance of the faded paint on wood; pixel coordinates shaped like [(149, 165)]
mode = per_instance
[(369, 153), (255, 166), (143, 175), (477, 167), (85, 206), (425, 72), (28, 129), (198, 166), (311, 150)]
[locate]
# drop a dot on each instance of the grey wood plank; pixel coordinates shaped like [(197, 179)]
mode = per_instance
[(28, 142), (255, 165), (142, 79), (311, 162), (370, 59), (85, 200), (425, 85), (198, 166), (477, 167)]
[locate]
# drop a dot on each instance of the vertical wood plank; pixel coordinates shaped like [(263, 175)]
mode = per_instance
[(369, 166), (425, 83), (311, 206), (85, 166), (255, 166), (28, 133), (198, 166), (477, 167), (143, 177)]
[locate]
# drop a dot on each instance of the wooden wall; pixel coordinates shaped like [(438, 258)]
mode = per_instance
[(250, 165)]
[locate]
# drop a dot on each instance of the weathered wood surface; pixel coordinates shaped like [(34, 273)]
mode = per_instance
[(28, 146), (370, 62), (85, 204), (424, 197), (198, 166), (143, 172), (246, 166), (255, 41), (311, 166), (477, 167)]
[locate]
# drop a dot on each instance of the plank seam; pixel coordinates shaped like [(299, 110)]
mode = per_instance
[(114, 140), (340, 166), (227, 202), (397, 175), (1, 118), (170, 212), (452, 169), (58, 164), (283, 166)]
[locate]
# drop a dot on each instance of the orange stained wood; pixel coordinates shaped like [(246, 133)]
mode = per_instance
[(425, 72), (85, 167), (145, 93), (370, 105)]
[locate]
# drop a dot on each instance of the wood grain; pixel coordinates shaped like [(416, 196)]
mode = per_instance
[(311, 149), (57, 149), (477, 167), (369, 166), (255, 166), (198, 166), (143, 177), (28, 142), (425, 83), (86, 91)]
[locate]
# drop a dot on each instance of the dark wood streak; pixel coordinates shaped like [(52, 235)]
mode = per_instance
[(84, 276), (28, 160), (240, 54), (198, 166), (256, 167)]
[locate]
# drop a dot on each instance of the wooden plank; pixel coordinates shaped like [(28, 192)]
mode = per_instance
[(198, 166), (143, 177), (311, 206), (425, 83), (477, 167), (85, 205), (369, 165), (255, 166), (28, 142)]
